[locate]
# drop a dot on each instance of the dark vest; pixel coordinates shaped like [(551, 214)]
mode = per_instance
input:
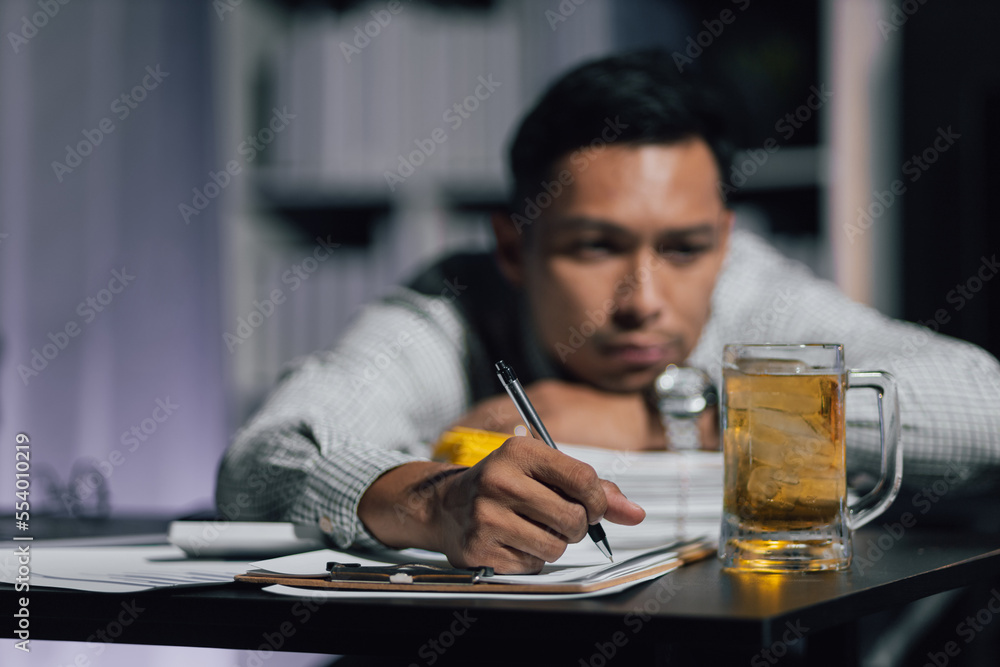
[(495, 315)]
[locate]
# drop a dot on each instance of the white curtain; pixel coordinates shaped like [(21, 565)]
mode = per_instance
[(132, 381)]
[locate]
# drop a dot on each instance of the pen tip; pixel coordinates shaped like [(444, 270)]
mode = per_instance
[(605, 548)]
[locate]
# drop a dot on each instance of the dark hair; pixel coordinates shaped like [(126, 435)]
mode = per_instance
[(640, 96)]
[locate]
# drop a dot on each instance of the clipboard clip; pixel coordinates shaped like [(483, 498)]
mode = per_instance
[(406, 573)]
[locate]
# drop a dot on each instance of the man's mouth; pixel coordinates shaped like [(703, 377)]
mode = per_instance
[(639, 352)]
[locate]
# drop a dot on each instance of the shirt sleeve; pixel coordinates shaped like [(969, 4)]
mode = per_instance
[(340, 419), (948, 390)]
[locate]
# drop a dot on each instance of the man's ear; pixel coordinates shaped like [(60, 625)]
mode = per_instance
[(510, 248)]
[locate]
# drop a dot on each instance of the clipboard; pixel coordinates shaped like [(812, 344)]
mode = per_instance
[(472, 580)]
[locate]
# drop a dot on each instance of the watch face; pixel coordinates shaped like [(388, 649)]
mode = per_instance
[(683, 391)]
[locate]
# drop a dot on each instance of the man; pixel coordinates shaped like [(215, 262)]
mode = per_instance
[(617, 258)]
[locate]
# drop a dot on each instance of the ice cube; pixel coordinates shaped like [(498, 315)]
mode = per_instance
[(815, 491), (771, 366), (820, 425), (761, 486), (767, 445), (739, 400), (785, 476), (811, 453), (789, 423), (765, 488), (785, 401)]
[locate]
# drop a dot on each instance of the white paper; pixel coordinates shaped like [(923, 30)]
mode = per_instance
[(125, 569), (582, 563), (680, 491)]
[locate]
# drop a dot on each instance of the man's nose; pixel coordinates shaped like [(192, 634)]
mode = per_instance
[(641, 302)]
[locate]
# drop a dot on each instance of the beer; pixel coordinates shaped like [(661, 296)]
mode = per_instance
[(784, 448), (785, 501)]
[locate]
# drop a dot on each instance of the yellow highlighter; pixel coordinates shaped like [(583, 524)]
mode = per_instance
[(467, 446)]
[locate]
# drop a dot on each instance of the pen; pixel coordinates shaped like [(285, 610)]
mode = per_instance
[(534, 423)]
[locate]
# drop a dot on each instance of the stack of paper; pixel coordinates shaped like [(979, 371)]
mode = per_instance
[(680, 491), (120, 569)]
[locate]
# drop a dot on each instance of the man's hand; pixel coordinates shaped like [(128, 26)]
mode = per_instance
[(576, 414), (514, 511)]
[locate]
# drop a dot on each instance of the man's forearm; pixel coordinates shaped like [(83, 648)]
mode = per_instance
[(398, 507)]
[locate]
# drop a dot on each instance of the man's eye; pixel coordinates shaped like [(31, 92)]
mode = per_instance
[(592, 248), (684, 253)]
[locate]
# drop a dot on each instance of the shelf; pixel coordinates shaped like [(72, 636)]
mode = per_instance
[(344, 212), (788, 167)]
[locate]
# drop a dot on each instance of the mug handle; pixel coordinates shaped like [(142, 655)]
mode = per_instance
[(879, 498)]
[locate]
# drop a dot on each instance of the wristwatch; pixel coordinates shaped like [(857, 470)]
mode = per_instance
[(681, 394)]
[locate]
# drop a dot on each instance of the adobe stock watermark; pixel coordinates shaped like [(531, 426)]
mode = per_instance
[(223, 7), (962, 293), (234, 507), (965, 292), (549, 191), (967, 629), (789, 642), (454, 116), (433, 649), (498, 418), (898, 15), (662, 592), (115, 627), (249, 148), (623, 461), (131, 440), (914, 168), (697, 44), (89, 309), (781, 303), (566, 8), (122, 106), (421, 493), (295, 276), (302, 611), (99, 640), (37, 21), (387, 353), (381, 18), (750, 161), (923, 500), (597, 317)]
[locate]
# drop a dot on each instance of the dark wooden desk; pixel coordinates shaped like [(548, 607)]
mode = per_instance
[(690, 615)]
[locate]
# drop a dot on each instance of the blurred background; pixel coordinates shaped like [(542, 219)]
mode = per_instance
[(168, 166), (194, 192)]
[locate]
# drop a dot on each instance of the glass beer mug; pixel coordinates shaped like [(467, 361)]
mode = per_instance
[(785, 498)]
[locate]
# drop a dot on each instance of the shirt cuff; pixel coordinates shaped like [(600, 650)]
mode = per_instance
[(337, 505)]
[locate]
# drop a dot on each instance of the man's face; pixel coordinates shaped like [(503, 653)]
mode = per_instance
[(619, 269)]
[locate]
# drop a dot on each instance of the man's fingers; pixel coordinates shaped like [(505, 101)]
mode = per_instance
[(535, 540), (575, 479), (529, 502), (549, 509), (621, 509), (502, 558), (520, 546)]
